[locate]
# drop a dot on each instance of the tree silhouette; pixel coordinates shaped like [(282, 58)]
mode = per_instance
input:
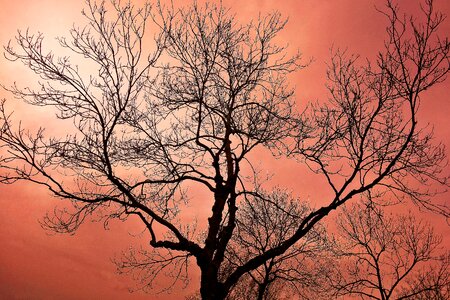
[(148, 125), (390, 257)]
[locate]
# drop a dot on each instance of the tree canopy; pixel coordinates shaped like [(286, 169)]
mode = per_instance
[(191, 112)]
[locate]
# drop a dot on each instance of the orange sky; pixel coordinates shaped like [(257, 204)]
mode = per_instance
[(35, 265)]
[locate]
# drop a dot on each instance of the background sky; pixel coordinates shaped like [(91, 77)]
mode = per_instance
[(36, 265)]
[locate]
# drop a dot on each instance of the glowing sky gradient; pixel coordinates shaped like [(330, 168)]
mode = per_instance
[(35, 265)]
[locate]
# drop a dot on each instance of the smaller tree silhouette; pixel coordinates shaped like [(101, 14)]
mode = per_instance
[(387, 256), (264, 223)]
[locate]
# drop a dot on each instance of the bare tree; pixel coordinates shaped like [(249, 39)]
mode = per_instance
[(147, 126), (390, 257)]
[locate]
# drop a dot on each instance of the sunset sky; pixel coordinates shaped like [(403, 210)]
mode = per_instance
[(37, 265)]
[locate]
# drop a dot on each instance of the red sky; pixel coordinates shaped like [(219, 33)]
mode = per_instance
[(35, 265)]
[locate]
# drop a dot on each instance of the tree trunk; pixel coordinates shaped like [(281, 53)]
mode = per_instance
[(211, 290), (210, 287), (261, 290)]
